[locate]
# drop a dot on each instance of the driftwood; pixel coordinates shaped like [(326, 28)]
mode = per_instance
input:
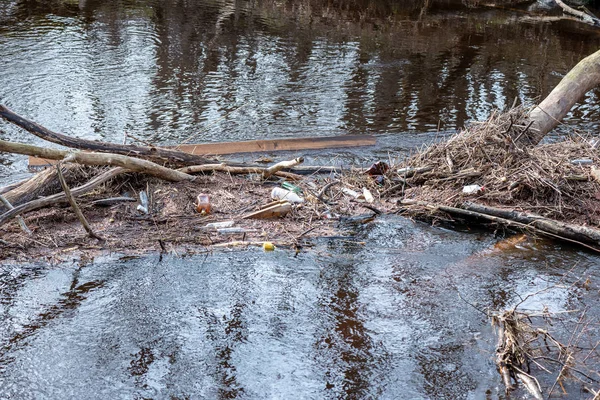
[(574, 232), (587, 18), (154, 153), (281, 165), (12, 186), (22, 224), (547, 115), (36, 186), (61, 197), (585, 236), (194, 169), (85, 158), (74, 204)]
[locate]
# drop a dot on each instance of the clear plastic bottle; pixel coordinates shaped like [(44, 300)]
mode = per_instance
[(203, 204), (284, 194)]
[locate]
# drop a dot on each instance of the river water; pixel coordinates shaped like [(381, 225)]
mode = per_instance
[(394, 312)]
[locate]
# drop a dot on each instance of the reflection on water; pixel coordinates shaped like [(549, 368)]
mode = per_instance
[(340, 321), (170, 71)]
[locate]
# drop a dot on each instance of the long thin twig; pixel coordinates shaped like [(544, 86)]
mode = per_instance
[(74, 204)]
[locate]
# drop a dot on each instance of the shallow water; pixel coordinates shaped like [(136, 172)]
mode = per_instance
[(377, 319), (343, 320)]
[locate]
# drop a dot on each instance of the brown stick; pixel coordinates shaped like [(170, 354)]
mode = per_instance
[(20, 219), (235, 170), (80, 157), (155, 153), (60, 197), (74, 204)]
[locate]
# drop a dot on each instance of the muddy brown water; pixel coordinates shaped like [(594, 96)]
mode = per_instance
[(376, 315)]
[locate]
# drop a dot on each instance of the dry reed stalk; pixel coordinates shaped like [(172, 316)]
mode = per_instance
[(540, 179)]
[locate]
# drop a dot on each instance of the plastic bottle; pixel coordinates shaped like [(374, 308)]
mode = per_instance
[(291, 187), (219, 225), (143, 206), (284, 194), (203, 204)]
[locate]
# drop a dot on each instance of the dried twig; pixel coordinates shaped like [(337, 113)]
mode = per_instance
[(74, 204), (20, 219)]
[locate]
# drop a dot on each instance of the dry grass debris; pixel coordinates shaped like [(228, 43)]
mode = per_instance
[(554, 180)]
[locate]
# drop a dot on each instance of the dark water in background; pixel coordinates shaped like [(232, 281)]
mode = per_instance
[(380, 320), (205, 71)]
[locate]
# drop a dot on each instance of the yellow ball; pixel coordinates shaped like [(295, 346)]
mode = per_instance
[(268, 246)]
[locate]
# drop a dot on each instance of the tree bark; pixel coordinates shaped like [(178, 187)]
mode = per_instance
[(547, 115), (154, 153), (38, 185)]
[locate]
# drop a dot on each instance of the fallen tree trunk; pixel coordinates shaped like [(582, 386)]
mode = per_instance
[(35, 186), (61, 197), (585, 236), (85, 158), (570, 231), (154, 153), (548, 114), (12, 186)]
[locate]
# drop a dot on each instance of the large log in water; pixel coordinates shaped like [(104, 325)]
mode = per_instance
[(548, 114)]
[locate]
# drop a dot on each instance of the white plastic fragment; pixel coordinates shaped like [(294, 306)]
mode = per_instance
[(472, 189), (350, 192), (368, 196), (143, 206), (582, 161), (219, 225)]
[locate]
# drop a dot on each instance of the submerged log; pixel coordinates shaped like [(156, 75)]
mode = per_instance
[(570, 231), (581, 235)]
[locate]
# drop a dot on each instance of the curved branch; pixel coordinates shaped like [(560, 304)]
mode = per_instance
[(61, 197), (80, 157), (155, 153)]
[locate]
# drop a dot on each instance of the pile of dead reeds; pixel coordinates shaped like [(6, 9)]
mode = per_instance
[(554, 180)]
